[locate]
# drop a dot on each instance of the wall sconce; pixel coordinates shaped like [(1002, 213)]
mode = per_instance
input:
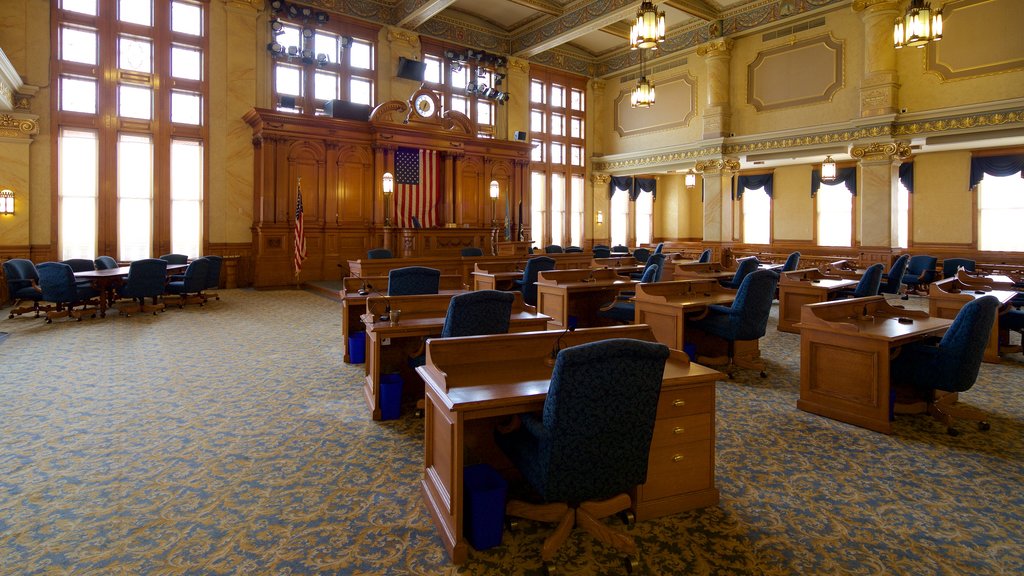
[(7, 202), (828, 169), (690, 179), (494, 200), (387, 184), (600, 217)]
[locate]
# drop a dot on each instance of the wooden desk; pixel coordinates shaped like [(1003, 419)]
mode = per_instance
[(421, 316), (664, 305), (701, 271), (105, 281), (806, 286), (354, 292), (496, 275), (845, 349), (950, 295), (579, 293), (984, 281), (471, 381), (462, 265)]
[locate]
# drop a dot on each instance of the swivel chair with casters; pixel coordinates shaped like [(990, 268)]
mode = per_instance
[(527, 283), (951, 265), (935, 371), (105, 263), (657, 260), (212, 277), (745, 319), (146, 279), (57, 281), (590, 446), (23, 286), (622, 309), (412, 280), (602, 252), (919, 275), (659, 248), (474, 314), (573, 249), (620, 250), (81, 265), (792, 262), (175, 258), (553, 249), (471, 251), (893, 279), (641, 255), (743, 269), (869, 284), (705, 256), (378, 253), (190, 288)]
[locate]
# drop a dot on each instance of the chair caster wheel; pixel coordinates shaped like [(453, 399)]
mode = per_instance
[(628, 518), (550, 569), (952, 431), (984, 426), (631, 564), (764, 374), (512, 524), (418, 413)]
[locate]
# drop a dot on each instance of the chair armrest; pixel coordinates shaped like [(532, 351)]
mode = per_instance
[(719, 309)]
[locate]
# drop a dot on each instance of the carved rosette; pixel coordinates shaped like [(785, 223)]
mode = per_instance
[(881, 151)]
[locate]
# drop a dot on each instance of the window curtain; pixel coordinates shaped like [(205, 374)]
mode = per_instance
[(620, 183), (907, 176), (996, 166), (845, 176), (754, 182), (644, 185)]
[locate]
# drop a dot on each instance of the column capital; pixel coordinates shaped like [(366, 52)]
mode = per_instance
[(874, 5), (717, 165), (600, 179), (897, 150), (716, 47), (19, 126)]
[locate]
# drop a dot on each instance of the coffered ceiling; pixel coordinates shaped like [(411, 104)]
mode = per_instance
[(588, 37)]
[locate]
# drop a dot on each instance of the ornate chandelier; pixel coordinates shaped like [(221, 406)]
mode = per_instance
[(643, 93), (649, 28), (919, 26)]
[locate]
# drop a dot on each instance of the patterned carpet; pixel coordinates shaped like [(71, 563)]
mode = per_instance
[(231, 439)]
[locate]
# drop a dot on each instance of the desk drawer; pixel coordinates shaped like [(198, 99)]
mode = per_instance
[(675, 431), (682, 401), (675, 470)]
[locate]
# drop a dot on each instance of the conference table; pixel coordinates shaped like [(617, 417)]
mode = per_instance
[(845, 352), (474, 383), (562, 294), (806, 286), (105, 281), (396, 325)]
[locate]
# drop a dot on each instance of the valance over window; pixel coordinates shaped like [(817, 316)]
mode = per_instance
[(633, 186), (845, 176), (996, 166), (753, 183)]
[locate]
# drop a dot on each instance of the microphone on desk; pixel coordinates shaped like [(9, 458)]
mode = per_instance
[(557, 347)]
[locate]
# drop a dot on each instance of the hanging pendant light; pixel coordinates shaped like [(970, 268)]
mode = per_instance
[(649, 28), (828, 169), (643, 93), (919, 26)]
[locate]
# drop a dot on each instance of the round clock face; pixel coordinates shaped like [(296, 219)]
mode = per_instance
[(424, 105)]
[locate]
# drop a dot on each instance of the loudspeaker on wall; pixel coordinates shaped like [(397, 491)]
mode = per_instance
[(411, 69), (520, 136)]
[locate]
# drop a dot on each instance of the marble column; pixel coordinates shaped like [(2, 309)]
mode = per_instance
[(879, 90), (879, 182), (717, 116), (718, 210)]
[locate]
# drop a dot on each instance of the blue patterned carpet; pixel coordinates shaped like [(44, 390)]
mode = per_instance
[(231, 439)]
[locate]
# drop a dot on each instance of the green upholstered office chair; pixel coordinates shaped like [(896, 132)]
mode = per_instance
[(950, 365), (589, 447)]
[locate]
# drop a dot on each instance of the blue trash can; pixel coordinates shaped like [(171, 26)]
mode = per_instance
[(484, 505), (390, 396), (691, 351), (357, 348)]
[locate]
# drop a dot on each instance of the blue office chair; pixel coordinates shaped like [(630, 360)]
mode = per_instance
[(573, 249), (602, 252), (192, 284), (212, 277), (1013, 320), (530, 271), (105, 263), (951, 265), (622, 309), (951, 365), (471, 251), (146, 278), (869, 283), (474, 314), (604, 246), (175, 258), (412, 280), (659, 247), (23, 286), (378, 253), (893, 279), (705, 256), (57, 281), (744, 267), (654, 260), (920, 274), (81, 265), (792, 262), (553, 249), (641, 254), (746, 318), (590, 446), (620, 250), (415, 222)]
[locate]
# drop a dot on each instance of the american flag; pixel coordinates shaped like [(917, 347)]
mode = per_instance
[(417, 175), (300, 233)]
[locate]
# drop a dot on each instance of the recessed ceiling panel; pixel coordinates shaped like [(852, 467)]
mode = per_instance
[(598, 42), (502, 13)]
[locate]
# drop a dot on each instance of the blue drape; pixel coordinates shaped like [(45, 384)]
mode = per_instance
[(755, 182), (846, 176), (907, 176), (632, 186), (996, 166)]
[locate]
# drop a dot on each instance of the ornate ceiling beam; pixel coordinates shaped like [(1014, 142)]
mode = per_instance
[(555, 31), (619, 29), (549, 8), (418, 11), (698, 8)]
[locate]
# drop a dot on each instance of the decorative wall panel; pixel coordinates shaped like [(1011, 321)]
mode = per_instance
[(980, 37), (804, 72), (675, 107)]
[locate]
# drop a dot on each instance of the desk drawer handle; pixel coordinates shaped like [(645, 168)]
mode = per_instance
[(677, 458), (678, 430), (679, 403)]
